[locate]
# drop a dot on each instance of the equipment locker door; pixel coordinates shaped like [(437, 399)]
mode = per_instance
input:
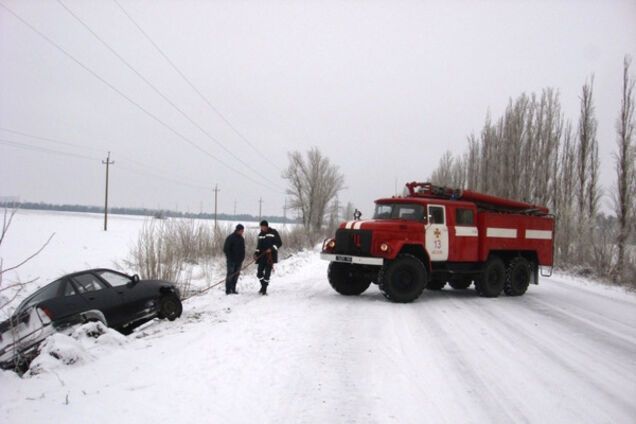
[(437, 233)]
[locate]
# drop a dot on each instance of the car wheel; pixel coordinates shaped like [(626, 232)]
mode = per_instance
[(170, 307)]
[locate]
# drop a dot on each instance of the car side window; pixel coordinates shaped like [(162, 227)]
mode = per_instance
[(69, 290), (88, 283), (465, 217), (114, 279), (436, 215)]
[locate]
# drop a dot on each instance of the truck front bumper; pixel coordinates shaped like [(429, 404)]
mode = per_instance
[(348, 259)]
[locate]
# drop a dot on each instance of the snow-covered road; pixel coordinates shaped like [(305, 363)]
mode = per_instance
[(564, 352)]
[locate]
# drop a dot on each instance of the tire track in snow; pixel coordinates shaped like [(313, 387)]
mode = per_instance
[(483, 393), (556, 350)]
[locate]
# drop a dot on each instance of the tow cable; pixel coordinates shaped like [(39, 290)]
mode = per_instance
[(252, 262)]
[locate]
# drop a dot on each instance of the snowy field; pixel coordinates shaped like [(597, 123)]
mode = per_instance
[(563, 353)]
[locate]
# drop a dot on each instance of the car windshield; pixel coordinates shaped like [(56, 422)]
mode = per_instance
[(399, 211)]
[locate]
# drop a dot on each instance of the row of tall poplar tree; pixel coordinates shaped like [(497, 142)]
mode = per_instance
[(534, 154)]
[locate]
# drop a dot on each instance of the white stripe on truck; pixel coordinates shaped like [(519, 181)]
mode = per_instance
[(466, 231), (501, 232), (539, 234)]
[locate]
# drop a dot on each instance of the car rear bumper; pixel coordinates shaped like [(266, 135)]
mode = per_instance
[(349, 259)]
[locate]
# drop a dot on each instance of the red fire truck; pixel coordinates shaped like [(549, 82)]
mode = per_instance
[(437, 235)]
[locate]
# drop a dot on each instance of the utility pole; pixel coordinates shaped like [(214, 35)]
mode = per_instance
[(285, 214), (260, 208), (108, 162), (216, 191)]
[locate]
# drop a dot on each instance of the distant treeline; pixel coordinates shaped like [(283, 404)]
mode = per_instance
[(157, 213)]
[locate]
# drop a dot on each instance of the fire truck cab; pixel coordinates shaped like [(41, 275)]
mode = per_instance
[(437, 235)]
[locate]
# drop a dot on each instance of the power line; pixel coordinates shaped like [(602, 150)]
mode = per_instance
[(161, 94), (50, 140), (31, 147), (44, 149), (115, 89), (154, 171), (182, 75)]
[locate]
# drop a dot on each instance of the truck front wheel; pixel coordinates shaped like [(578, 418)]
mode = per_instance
[(403, 279), (517, 277), (345, 279), (492, 279)]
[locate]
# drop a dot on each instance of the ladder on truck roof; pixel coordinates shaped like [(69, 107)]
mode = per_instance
[(483, 201)]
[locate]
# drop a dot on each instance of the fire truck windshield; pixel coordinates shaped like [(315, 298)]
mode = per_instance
[(399, 211)]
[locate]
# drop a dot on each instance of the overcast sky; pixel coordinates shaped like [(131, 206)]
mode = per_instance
[(382, 88)]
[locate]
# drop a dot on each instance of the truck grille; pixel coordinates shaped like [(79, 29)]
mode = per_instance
[(353, 242)]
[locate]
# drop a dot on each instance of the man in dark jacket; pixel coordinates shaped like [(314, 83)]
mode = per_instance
[(234, 249), (266, 254)]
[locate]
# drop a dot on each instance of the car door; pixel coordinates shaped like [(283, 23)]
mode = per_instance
[(136, 300), (100, 296), (436, 233)]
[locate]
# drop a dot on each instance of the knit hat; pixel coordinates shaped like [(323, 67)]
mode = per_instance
[(239, 227), (264, 223)]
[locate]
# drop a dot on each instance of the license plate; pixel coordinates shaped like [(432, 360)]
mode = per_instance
[(344, 258)]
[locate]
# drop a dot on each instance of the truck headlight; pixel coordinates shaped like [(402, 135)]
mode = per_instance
[(384, 247), (329, 244)]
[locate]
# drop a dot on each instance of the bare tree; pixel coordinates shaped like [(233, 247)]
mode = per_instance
[(472, 165), (313, 184), (623, 195), (587, 171), (442, 175), (563, 202), (15, 286)]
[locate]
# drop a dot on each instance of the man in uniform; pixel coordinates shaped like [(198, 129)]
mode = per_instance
[(266, 254), (234, 249)]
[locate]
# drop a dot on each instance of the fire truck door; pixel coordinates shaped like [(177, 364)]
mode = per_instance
[(437, 233)]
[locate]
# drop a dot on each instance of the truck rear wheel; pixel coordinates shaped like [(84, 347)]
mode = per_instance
[(345, 280), (403, 279), (517, 277), (492, 279)]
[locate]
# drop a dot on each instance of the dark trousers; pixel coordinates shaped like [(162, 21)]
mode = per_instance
[(233, 272), (263, 272)]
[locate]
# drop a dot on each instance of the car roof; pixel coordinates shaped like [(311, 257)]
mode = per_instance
[(88, 270)]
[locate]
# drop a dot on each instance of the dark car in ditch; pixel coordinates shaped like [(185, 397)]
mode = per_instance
[(117, 300)]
